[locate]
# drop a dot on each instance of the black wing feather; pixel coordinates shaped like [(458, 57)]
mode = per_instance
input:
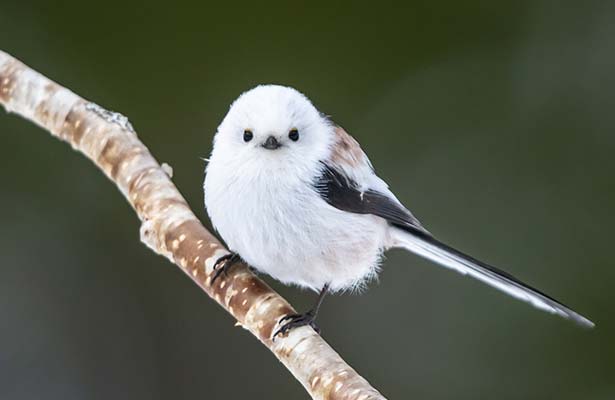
[(343, 193)]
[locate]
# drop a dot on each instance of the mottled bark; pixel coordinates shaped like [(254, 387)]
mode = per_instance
[(171, 229)]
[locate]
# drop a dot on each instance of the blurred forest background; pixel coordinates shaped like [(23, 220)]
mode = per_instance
[(492, 121)]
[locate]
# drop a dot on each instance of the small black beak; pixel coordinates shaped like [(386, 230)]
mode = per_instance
[(271, 143)]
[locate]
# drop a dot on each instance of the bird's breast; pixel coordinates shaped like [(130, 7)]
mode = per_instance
[(281, 226)]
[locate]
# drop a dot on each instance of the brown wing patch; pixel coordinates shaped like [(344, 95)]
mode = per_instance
[(347, 151)]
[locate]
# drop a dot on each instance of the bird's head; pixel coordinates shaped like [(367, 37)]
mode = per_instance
[(273, 125)]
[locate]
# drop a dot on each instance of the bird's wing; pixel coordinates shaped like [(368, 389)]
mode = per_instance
[(340, 189), (343, 193), (348, 181)]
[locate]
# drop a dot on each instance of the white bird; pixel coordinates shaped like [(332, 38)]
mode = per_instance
[(294, 196)]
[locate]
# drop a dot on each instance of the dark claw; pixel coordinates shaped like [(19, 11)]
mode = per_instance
[(307, 318), (223, 264), (295, 321)]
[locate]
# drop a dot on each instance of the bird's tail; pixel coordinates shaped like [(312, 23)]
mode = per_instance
[(425, 245)]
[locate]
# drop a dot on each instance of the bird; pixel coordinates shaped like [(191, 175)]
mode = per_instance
[(294, 196)]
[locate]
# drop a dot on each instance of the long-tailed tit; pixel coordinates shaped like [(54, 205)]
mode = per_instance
[(293, 195)]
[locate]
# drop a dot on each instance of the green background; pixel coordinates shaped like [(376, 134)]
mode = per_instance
[(492, 121)]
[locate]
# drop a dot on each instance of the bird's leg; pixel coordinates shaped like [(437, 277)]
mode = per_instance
[(223, 264), (306, 318)]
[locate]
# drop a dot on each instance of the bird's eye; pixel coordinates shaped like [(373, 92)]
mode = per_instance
[(247, 135), (293, 135)]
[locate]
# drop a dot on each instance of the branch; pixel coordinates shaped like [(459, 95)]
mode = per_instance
[(171, 229)]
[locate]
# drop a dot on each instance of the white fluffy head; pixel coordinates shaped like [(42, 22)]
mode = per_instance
[(273, 111)]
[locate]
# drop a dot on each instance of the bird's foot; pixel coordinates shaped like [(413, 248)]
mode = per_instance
[(296, 320), (223, 264)]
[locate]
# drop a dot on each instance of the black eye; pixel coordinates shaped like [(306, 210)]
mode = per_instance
[(293, 135), (247, 135)]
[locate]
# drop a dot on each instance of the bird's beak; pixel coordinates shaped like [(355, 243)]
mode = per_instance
[(271, 143)]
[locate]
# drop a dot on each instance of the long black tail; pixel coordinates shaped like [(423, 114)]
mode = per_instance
[(427, 246)]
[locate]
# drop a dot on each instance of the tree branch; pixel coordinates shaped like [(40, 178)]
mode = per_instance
[(171, 229)]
